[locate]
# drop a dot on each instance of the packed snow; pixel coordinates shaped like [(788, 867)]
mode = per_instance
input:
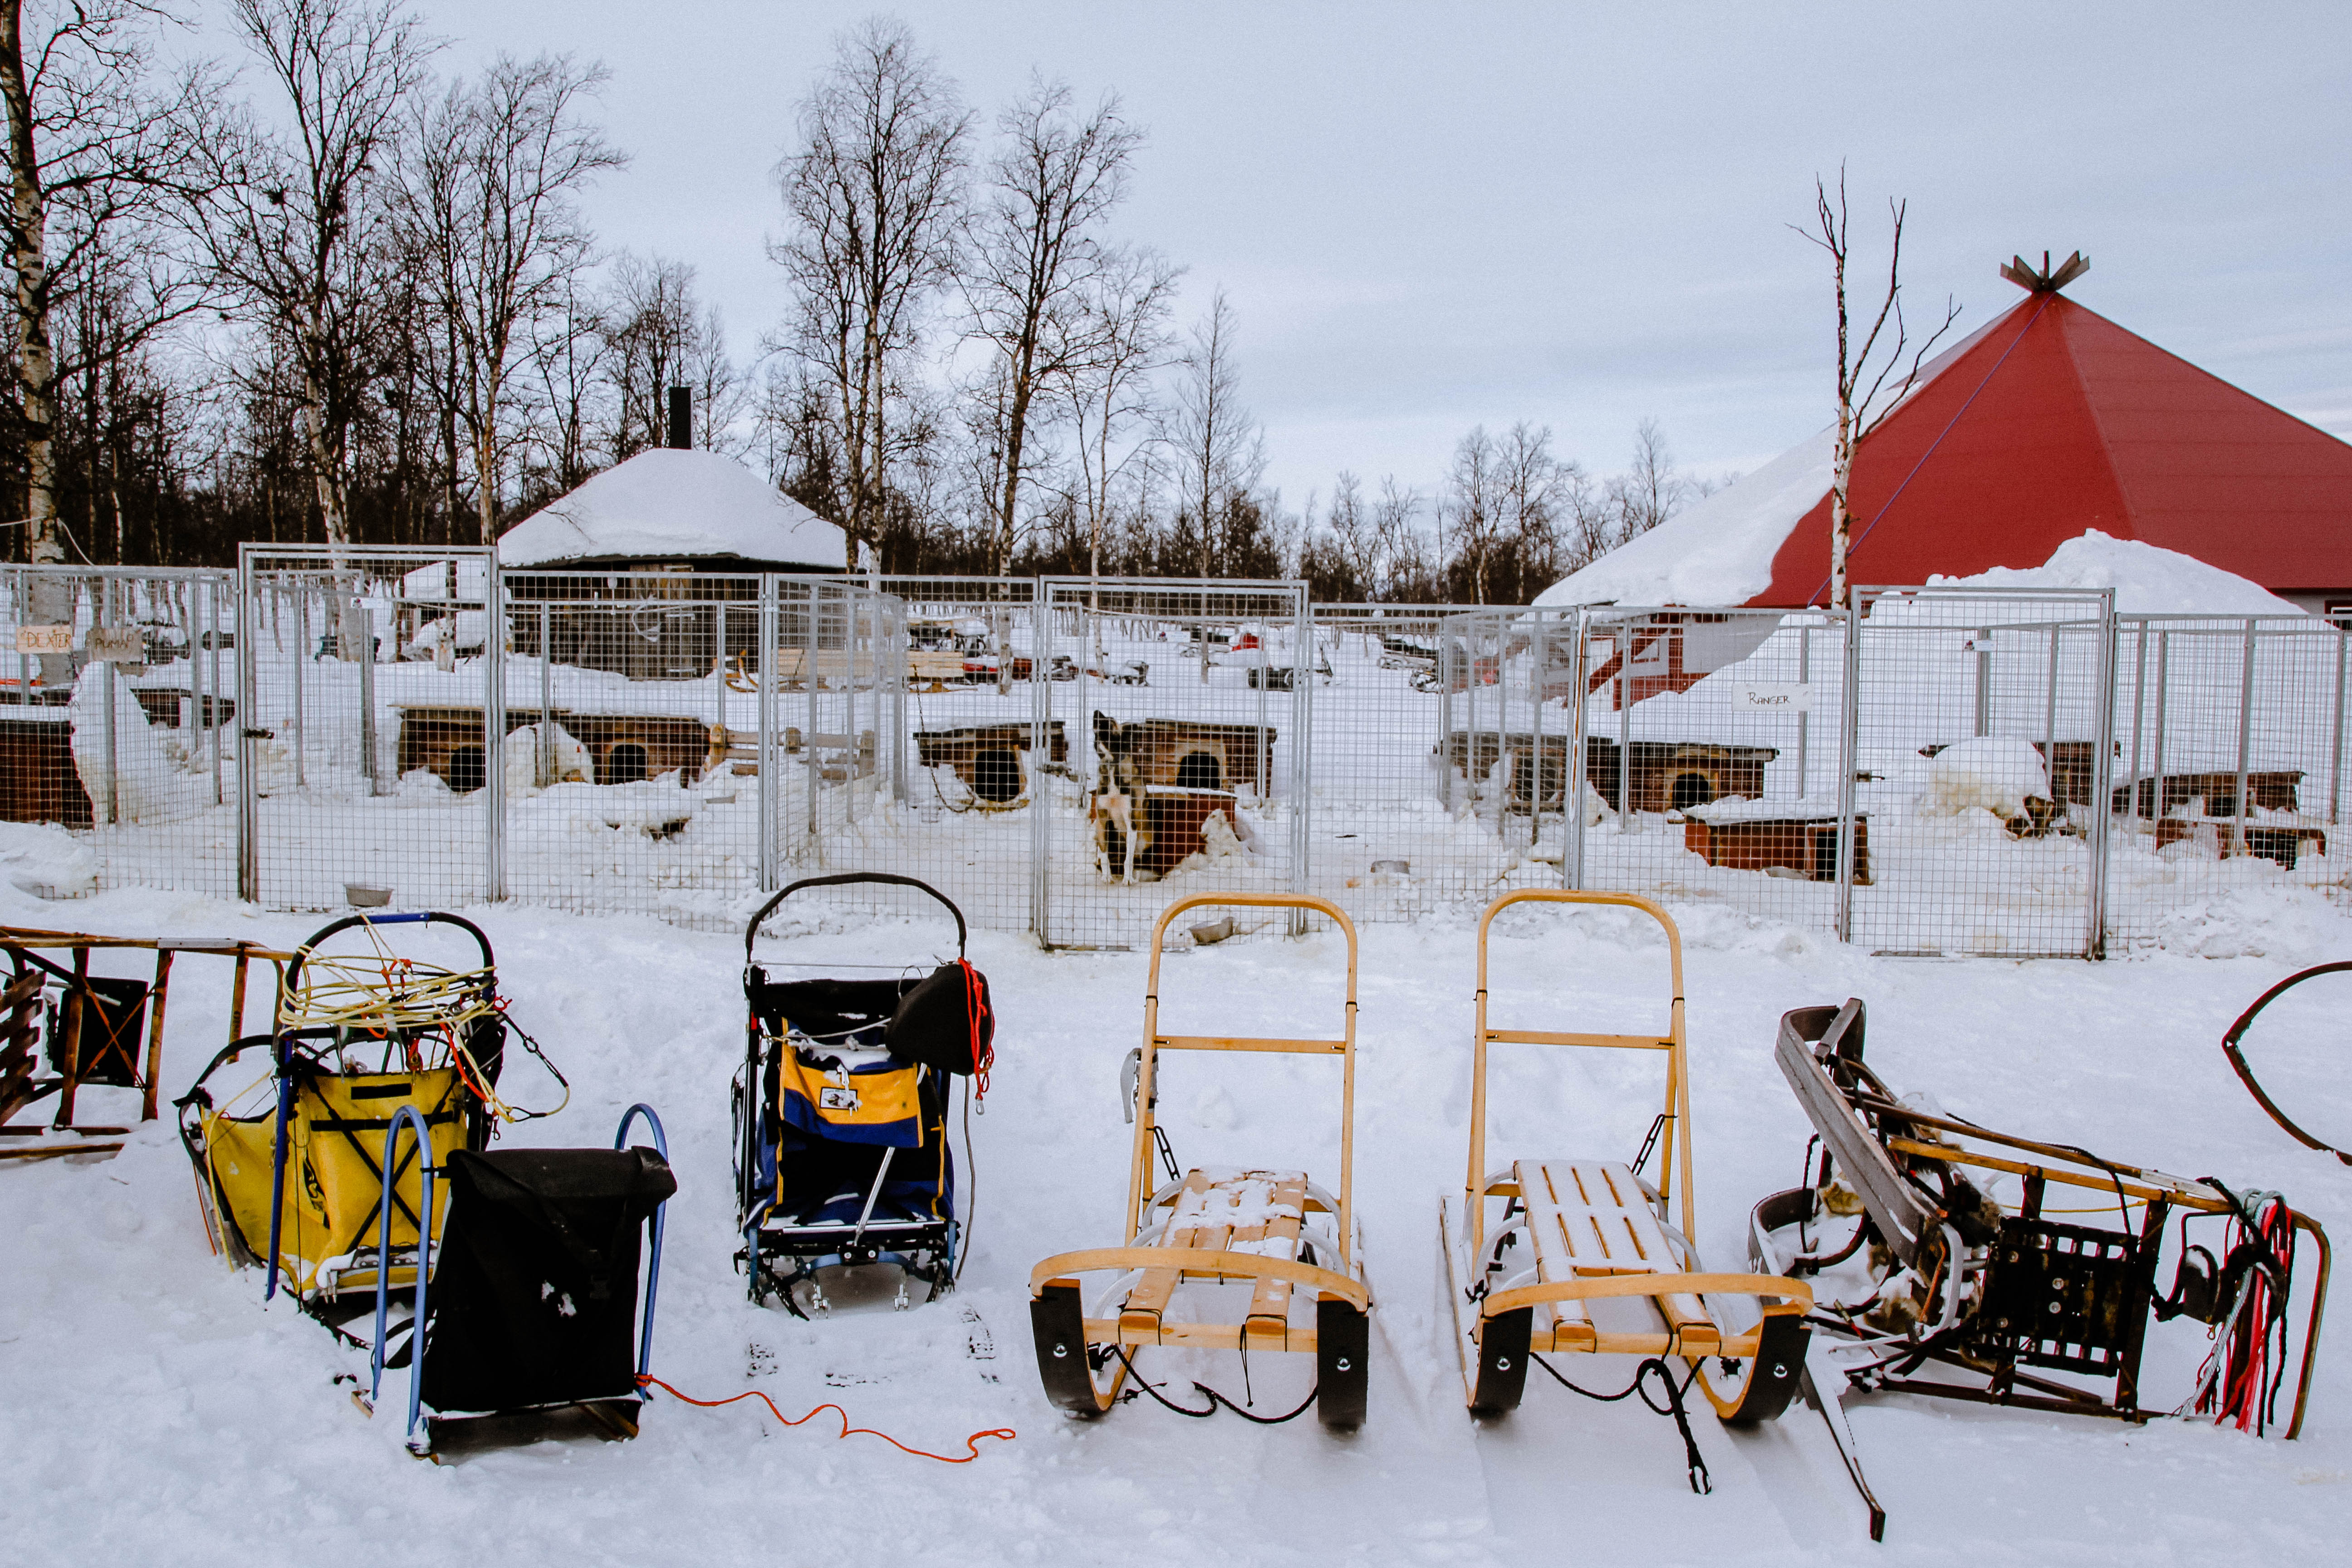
[(1991, 772), (666, 505), (2147, 579), (162, 1413)]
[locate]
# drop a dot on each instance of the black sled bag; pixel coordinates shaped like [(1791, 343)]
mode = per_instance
[(946, 1021)]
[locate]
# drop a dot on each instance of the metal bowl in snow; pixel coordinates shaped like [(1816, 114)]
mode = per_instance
[(1209, 931), (1391, 867), (360, 896)]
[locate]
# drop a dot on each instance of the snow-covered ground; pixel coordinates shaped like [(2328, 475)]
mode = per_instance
[(156, 1411)]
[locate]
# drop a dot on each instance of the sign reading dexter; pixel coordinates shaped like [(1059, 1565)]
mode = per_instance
[(45, 639), (1772, 696)]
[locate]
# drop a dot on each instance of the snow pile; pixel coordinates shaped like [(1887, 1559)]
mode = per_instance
[(674, 506), (1993, 772), (570, 763), (143, 765), (1719, 552), (463, 633), (2148, 580), (45, 861)]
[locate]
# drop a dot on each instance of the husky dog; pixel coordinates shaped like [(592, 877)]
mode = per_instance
[(1122, 827)]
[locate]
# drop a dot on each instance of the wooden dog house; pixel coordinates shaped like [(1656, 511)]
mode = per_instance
[(1663, 775), (1802, 842), (624, 747), (989, 759), (38, 782)]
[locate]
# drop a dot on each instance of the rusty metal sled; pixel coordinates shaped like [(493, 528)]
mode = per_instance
[(1538, 1242), (1274, 1230)]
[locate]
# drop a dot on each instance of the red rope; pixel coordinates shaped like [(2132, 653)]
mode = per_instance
[(983, 1051), (971, 1443)]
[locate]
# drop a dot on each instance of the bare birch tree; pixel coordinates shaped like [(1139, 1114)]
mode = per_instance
[(1034, 257), (298, 223), (489, 210), (874, 194), (95, 152), (1871, 384), (1216, 448), (1105, 380)]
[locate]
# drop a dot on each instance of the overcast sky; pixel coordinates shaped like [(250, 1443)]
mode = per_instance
[(1431, 216)]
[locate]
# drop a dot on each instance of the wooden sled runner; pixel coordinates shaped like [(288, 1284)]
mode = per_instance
[(1569, 1232), (1291, 1241)]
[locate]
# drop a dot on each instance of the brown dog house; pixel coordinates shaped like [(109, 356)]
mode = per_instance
[(989, 759), (1198, 755), (1174, 819), (1807, 844), (624, 747), (2275, 789), (38, 782), (1664, 775)]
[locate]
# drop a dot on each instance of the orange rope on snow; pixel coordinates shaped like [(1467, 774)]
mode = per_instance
[(971, 1443)]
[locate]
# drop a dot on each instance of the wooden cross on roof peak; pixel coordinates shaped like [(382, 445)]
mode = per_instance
[(2045, 279)]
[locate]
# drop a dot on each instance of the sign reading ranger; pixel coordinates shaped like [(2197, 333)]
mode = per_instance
[(1772, 696)]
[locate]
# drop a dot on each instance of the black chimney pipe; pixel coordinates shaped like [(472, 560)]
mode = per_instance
[(681, 417)]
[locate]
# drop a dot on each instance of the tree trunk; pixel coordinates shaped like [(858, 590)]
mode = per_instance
[(1841, 520), (51, 595)]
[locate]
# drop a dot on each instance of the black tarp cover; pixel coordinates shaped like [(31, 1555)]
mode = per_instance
[(533, 1301)]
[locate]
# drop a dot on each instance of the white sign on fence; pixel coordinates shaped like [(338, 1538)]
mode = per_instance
[(45, 639), (1772, 696), (117, 645)]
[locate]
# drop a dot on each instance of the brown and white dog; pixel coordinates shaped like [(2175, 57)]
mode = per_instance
[(1115, 806)]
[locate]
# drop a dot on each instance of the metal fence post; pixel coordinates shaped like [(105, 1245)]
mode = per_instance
[(1625, 729), (213, 720), (494, 726), (1041, 749), (1573, 786), (1849, 726), (2245, 735), (1804, 713), (2139, 709), (547, 694), (2156, 758), (301, 660), (2101, 777), (770, 792), (812, 683), (102, 614), (1306, 658), (1444, 716), (1984, 680), (2335, 736), (248, 789)]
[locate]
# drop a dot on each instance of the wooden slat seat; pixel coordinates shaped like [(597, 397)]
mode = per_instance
[(1241, 1211), (1589, 1217)]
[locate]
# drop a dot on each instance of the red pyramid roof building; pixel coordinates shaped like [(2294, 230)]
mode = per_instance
[(2049, 422)]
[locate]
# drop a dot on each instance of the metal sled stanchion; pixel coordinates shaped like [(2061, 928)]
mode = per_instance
[(1573, 1232), (1965, 1287), (1256, 1227)]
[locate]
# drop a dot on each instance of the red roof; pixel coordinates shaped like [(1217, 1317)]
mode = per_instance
[(2053, 420)]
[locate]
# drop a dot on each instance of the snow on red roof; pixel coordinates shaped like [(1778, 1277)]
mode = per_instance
[(2049, 423)]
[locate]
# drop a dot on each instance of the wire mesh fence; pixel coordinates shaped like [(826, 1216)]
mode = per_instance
[(1971, 771), (116, 730), (2230, 770), (1982, 745)]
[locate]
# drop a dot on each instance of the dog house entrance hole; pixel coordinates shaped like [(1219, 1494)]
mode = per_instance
[(1199, 770), (466, 773), (996, 776), (624, 764), (1692, 789)]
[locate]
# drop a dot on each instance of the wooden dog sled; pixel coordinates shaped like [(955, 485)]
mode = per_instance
[(1291, 1241)]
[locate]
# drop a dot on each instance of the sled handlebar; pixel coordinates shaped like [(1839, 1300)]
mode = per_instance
[(406, 917), (751, 932)]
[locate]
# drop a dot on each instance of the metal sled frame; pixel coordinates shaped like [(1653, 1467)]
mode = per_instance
[(1582, 1212), (921, 1249), (78, 1008), (1073, 1347), (1880, 1145), (615, 1417)]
